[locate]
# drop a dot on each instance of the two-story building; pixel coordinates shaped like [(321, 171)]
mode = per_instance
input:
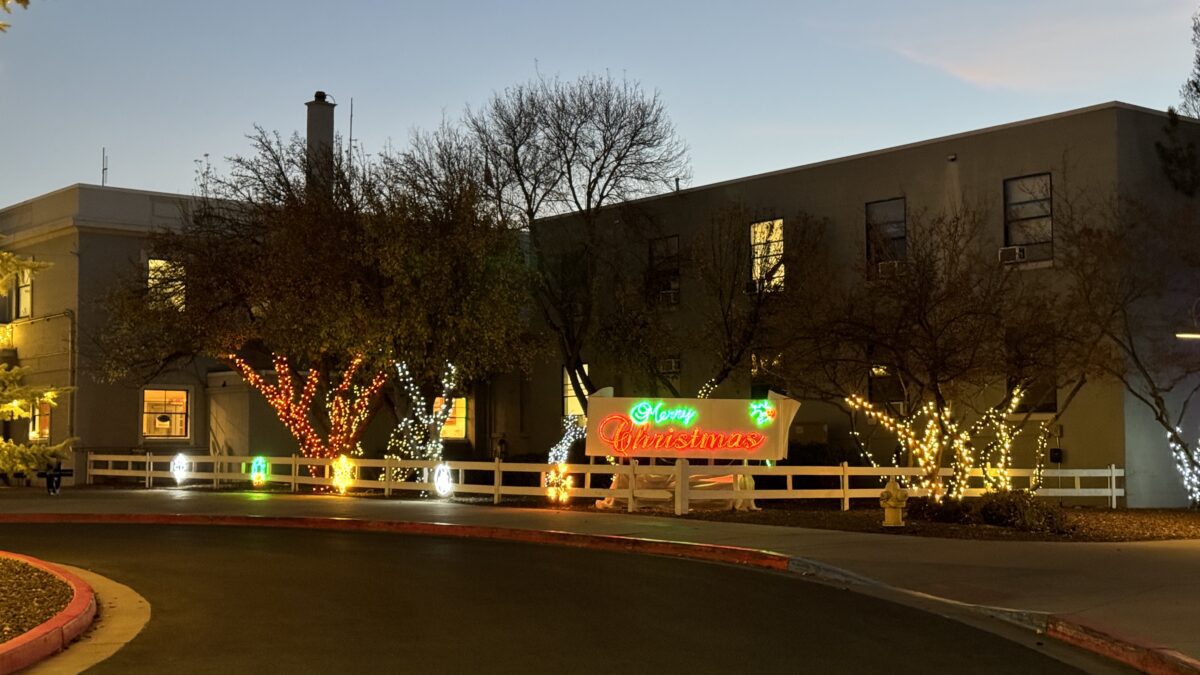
[(90, 234)]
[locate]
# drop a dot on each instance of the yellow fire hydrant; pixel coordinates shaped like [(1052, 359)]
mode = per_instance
[(893, 501)]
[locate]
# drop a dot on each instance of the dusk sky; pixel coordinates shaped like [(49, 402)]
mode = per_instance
[(751, 86)]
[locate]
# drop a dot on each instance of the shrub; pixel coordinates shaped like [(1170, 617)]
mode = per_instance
[(1021, 510), (945, 511)]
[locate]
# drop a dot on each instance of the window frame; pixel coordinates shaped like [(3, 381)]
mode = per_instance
[(672, 375), (570, 404), (464, 418), (758, 273), (23, 294), (663, 272), (873, 256), (1042, 409), (1049, 215), (39, 411), (156, 270), (188, 412)]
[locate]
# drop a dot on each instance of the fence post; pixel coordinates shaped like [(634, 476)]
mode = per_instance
[(845, 488), (497, 482), (681, 486), (633, 463), (387, 476), (587, 477), (216, 469), (149, 470), (1112, 486), (88, 468), (295, 470)]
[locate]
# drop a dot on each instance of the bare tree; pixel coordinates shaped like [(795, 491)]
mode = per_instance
[(945, 323), (555, 147), (1132, 270)]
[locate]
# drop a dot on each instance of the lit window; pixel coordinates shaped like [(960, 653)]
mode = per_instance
[(1028, 221), (164, 280), (886, 231), (571, 404), (766, 251), (165, 413), (456, 423), (24, 295), (39, 422)]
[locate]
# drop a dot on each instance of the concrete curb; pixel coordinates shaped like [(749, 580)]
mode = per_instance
[(1145, 657), (1148, 658), (53, 635)]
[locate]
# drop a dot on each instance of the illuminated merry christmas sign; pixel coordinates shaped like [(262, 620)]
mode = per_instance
[(695, 428)]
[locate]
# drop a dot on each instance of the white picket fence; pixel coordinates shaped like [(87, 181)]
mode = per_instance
[(852, 482)]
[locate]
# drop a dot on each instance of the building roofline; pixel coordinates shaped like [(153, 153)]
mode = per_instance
[(91, 186), (1117, 105)]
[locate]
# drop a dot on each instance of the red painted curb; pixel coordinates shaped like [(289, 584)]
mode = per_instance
[(708, 552), (53, 635), (1145, 657)]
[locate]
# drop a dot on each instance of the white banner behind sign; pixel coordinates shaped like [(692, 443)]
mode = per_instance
[(689, 427)]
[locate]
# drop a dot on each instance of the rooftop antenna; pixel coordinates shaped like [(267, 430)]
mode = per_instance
[(350, 143), (103, 166)]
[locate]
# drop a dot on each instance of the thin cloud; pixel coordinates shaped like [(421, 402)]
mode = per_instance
[(1041, 51)]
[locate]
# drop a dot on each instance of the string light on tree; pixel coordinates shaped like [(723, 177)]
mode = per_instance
[(1186, 464), (348, 405), (942, 435), (558, 483), (419, 435)]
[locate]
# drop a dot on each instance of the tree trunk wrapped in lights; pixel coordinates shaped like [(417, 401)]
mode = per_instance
[(942, 435), (419, 435), (348, 405)]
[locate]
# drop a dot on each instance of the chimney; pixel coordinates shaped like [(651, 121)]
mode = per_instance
[(320, 134)]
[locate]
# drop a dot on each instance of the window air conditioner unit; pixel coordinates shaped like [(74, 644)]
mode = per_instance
[(1012, 254), (668, 297), (889, 268), (669, 365)]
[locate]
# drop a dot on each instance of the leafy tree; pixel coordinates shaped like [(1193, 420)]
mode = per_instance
[(18, 400), (329, 273)]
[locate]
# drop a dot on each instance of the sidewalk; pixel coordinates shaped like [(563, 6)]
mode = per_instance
[(1146, 590)]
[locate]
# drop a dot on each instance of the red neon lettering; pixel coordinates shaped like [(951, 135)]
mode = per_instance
[(623, 437)]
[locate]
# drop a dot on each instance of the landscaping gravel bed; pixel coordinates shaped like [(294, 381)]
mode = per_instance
[(1083, 524), (28, 597)]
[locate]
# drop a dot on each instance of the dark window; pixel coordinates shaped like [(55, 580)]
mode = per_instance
[(1028, 217), (1040, 395), (669, 368), (887, 232), (23, 298), (885, 390), (663, 276)]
